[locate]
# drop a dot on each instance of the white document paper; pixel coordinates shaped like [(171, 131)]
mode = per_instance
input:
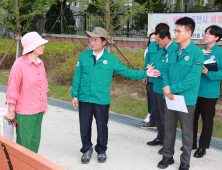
[(209, 61), (178, 104)]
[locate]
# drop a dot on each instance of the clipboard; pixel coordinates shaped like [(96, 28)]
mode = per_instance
[(211, 66)]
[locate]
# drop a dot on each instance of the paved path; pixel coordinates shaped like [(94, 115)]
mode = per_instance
[(127, 147)]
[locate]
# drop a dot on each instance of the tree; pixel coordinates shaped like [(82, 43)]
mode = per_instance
[(200, 6), (20, 15), (178, 6), (94, 10), (140, 20), (219, 3), (61, 19), (110, 9), (168, 3), (156, 5)]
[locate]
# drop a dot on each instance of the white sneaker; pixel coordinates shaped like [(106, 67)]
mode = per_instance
[(147, 118)]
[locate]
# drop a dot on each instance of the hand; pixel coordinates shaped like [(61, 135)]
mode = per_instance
[(10, 115), (151, 72), (44, 112), (206, 52), (145, 81), (167, 93), (166, 90), (205, 70), (75, 102), (149, 66), (170, 96)]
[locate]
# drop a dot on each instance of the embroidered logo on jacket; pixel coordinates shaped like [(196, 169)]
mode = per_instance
[(186, 58), (105, 61), (77, 64)]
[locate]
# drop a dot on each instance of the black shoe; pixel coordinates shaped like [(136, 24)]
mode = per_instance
[(148, 126), (85, 159), (102, 157), (155, 142), (184, 166), (200, 152), (194, 147), (160, 152), (165, 162)]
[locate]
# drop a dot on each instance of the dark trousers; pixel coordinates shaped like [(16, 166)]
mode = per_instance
[(186, 122), (206, 108), (159, 114), (101, 114), (150, 88), (148, 96)]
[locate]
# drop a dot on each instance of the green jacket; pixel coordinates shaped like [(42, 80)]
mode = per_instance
[(91, 82), (151, 56), (158, 82), (210, 83), (183, 74)]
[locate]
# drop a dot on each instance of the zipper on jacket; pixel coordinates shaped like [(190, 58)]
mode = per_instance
[(94, 59)]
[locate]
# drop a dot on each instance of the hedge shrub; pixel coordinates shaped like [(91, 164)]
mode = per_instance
[(4, 46), (60, 58)]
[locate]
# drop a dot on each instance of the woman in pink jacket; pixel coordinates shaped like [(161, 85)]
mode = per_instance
[(26, 92)]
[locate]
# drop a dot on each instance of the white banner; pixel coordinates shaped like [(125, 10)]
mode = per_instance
[(202, 20)]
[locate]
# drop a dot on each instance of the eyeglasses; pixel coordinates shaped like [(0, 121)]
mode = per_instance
[(158, 40), (93, 41), (178, 32)]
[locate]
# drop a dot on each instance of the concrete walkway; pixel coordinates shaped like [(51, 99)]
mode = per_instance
[(127, 147)]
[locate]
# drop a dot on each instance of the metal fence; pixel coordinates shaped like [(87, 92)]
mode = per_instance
[(78, 23)]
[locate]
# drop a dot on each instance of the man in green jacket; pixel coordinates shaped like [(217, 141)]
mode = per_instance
[(168, 46), (91, 86), (181, 76)]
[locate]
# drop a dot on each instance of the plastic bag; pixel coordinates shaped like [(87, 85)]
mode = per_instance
[(6, 127)]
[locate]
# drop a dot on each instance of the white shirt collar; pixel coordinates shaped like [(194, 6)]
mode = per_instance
[(168, 45), (38, 60), (98, 55)]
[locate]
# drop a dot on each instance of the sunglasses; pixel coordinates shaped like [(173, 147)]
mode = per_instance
[(14, 121)]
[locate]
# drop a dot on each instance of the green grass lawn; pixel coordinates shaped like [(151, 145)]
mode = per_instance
[(125, 104), (122, 103), (3, 80), (59, 92)]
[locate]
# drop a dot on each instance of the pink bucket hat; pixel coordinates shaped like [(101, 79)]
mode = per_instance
[(31, 41)]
